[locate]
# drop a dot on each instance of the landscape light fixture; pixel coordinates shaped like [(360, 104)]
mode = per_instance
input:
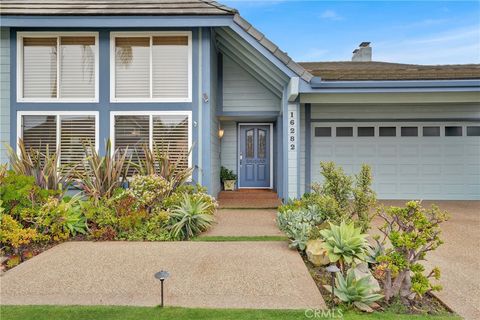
[(162, 275), (333, 269)]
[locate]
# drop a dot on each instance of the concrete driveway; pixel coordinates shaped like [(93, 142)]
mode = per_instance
[(203, 274), (459, 257)]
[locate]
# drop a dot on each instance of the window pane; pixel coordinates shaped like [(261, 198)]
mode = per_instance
[(473, 131), (388, 131), (344, 131), (431, 131), (170, 134), (40, 132), (409, 131), (39, 67), (75, 132), (249, 152), (323, 132), (132, 132), (77, 67), (170, 67), (132, 67), (366, 131), (262, 144), (453, 131)]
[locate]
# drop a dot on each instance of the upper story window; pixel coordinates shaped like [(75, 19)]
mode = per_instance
[(57, 67), (151, 67)]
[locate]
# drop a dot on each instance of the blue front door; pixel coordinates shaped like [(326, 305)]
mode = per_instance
[(254, 156)]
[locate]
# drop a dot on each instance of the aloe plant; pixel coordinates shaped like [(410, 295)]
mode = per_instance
[(104, 173), (359, 292), (345, 244), (44, 167), (190, 217)]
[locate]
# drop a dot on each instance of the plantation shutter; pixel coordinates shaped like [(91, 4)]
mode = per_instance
[(40, 132), (77, 67), (75, 132), (170, 134), (40, 67), (170, 67), (132, 132), (132, 67)]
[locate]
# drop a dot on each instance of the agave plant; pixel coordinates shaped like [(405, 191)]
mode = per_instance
[(44, 167), (104, 173), (189, 218), (159, 161), (345, 244), (359, 292)]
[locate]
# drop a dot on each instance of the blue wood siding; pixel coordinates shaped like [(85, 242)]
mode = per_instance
[(4, 92), (243, 92)]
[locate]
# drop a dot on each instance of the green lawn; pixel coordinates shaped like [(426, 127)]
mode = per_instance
[(240, 238), (156, 313)]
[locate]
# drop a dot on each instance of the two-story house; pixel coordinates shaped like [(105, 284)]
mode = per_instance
[(195, 75)]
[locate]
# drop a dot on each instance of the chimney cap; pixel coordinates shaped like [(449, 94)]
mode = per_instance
[(364, 44), (355, 51)]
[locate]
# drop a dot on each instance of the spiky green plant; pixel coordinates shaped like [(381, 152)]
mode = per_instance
[(189, 218), (44, 167), (345, 244), (104, 173), (159, 161), (358, 292)]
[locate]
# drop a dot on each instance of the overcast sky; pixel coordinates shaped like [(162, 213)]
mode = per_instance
[(419, 32)]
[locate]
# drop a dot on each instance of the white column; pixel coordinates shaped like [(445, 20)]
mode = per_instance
[(293, 146)]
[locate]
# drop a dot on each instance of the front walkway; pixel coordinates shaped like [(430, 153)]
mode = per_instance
[(203, 274)]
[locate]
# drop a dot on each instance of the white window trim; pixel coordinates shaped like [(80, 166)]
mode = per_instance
[(150, 131), (114, 35), (57, 114), (37, 34)]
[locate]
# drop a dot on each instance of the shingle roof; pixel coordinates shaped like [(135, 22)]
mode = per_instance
[(348, 70), (114, 7)]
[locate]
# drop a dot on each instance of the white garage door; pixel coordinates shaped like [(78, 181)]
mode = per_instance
[(411, 160)]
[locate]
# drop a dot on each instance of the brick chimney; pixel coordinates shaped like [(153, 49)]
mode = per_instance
[(363, 53)]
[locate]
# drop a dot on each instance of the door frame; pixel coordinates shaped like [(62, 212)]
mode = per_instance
[(270, 124)]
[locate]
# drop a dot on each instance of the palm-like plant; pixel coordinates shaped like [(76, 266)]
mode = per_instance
[(159, 161), (104, 173), (360, 292), (44, 167), (345, 244), (189, 218)]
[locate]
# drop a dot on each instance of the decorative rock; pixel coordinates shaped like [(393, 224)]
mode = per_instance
[(316, 254), (361, 271)]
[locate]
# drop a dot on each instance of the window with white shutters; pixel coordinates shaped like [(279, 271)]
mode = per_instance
[(151, 67), (66, 133), (57, 67), (168, 131)]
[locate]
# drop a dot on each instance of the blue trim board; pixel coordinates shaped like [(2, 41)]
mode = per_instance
[(279, 158), (308, 147), (205, 68), (285, 143)]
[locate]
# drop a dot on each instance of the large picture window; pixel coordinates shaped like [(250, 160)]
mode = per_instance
[(57, 67), (168, 131), (65, 132), (153, 67)]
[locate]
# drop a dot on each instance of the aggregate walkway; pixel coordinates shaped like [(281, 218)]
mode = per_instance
[(203, 274)]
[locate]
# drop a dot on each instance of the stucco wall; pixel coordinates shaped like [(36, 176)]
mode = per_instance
[(242, 92), (4, 92)]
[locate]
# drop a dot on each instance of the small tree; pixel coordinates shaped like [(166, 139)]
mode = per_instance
[(412, 231), (364, 198)]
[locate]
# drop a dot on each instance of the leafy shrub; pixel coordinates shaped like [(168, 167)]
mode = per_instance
[(345, 244), (226, 174), (364, 198), (149, 190), (359, 292), (337, 184), (14, 236), (104, 174), (189, 218), (43, 167), (299, 224), (412, 232)]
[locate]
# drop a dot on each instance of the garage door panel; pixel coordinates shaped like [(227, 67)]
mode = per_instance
[(435, 167)]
